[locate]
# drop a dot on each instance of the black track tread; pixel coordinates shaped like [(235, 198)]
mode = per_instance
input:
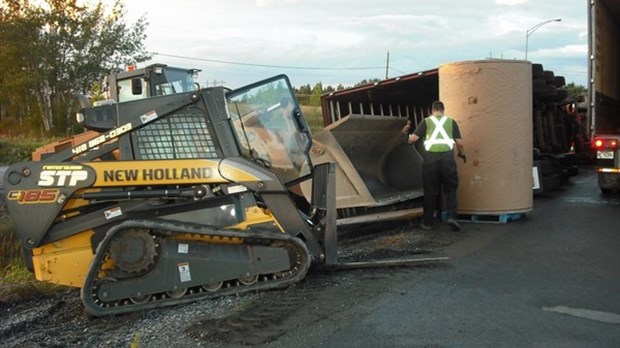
[(88, 292)]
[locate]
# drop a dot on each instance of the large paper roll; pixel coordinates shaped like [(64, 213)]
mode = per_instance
[(491, 101)]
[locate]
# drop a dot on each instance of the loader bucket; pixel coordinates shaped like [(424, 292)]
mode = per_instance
[(374, 164)]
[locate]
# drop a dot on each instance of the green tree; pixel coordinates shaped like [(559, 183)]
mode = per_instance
[(303, 94), (54, 49), (365, 82), (575, 90), (305, 89), (315, 95)]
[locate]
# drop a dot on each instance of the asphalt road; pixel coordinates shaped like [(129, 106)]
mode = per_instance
[(549, 280)]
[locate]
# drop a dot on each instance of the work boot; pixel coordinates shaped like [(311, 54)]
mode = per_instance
[(454, 225), (425, 226)]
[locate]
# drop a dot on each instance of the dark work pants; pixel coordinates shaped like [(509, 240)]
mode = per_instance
[(438, 176)]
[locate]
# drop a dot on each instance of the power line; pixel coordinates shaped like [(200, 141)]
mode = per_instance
[(264, 65), (398, 71)]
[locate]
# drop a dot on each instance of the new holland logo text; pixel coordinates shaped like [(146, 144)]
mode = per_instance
[(158, 174), (62, 176)]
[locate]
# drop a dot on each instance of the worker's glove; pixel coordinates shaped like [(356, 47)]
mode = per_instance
[(406, 127), (463, 157)]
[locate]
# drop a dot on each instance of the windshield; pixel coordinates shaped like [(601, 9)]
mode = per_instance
[(172, 81), (270, 128), (125, 92), (162, 81)]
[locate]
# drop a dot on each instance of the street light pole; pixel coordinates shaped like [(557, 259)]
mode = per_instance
[(531, 31)]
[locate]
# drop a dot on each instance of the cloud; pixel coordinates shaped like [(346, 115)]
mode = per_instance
[(271, 3), (350, 33), (564, 51), (510, 2)]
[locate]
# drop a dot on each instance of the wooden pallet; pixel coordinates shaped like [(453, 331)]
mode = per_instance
[(488, 218)]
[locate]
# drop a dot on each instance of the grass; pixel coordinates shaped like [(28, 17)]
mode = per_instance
[(135, 340), (10, 248), (313, 116), (18, 149), (246, 302)]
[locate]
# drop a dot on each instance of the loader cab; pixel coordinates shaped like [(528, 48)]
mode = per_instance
[(270, 128), (153, 80)]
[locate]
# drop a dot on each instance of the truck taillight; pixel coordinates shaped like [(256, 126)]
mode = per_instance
[(598, 143), (605, 143)]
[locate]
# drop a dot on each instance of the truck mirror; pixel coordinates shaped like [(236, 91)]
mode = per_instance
[(136, 86)]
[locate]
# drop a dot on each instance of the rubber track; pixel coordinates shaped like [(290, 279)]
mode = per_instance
[(97, 307)]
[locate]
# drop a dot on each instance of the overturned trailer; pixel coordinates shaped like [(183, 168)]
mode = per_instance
[(376, 168)]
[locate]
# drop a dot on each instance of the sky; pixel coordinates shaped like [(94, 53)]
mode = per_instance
[(237, 42)]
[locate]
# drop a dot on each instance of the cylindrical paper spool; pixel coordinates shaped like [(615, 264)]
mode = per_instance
[(491, 101)]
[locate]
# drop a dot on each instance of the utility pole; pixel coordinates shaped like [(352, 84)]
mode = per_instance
[(387, 65)]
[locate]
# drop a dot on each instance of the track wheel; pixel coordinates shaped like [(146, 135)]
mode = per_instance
[(249, 280), (213, 287), (176, 293), (142, 299), (134, 250)]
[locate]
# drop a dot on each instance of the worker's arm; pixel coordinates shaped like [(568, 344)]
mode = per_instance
[(461, 149), (419, 132), (459, 145), (456, 135)]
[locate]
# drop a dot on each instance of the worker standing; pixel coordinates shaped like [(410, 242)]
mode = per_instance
[(440, 134)]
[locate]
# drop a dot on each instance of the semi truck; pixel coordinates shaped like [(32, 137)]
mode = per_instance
[(604, 90)]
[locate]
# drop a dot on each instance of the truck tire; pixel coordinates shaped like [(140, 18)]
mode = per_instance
[(537, 71), (549, 77)]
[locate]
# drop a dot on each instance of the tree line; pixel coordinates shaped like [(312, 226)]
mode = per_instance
[(307, 95)]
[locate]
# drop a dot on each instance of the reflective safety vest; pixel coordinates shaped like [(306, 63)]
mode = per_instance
[(438, 134)]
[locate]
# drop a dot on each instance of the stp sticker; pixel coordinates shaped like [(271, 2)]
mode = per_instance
[(62, 177)]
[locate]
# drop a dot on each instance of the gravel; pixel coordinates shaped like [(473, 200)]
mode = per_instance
[(250, 319)]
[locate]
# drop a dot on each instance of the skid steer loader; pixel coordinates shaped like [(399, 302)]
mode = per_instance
[(178, 198)]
